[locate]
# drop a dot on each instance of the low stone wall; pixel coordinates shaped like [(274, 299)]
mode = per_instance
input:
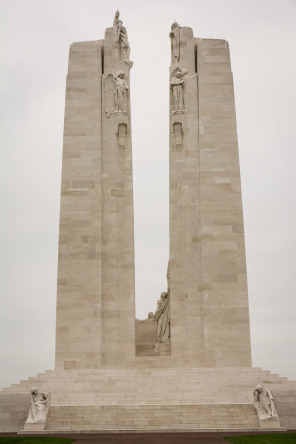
[(152, 417), (14, 408), (285, 404)]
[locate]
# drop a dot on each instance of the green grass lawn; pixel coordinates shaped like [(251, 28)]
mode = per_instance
[(279, 438), (34, 440)]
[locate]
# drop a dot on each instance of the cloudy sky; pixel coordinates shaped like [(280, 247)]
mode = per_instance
[(34, 42)]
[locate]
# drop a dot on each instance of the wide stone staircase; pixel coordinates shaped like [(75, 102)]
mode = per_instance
[(147, 397)]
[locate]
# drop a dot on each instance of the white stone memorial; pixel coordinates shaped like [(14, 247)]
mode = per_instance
[(187, 367), (38, 411)]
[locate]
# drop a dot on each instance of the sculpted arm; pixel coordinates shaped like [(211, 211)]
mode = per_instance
[(255, 393), (177, 82), (272, 407)]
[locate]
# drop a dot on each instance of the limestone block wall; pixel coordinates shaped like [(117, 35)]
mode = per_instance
[(95, 297), (285, 402), (209, 301), (79, 306), (118, 281), (14, 409), (187, 329), (225, 296)]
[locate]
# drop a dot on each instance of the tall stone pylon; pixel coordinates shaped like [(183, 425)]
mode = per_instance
[(208, 280), (96, 295)]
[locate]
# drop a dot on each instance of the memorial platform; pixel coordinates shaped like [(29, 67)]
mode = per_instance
[(150, 395)]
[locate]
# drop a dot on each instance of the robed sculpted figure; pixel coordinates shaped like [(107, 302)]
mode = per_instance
[(115, 89), (175, 39), (38, 408), (177, 84), (162, 315), (121, 88), (163, 321), (122, 41), (264, 403)]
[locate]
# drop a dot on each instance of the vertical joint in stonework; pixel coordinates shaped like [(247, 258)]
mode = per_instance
[(195, 55), (102, 58)]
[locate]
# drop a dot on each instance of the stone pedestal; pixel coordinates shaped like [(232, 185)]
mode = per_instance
[(270, 423), (37, 427)]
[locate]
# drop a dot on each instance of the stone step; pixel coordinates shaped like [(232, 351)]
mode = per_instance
[(201, 376), (105, 385), (139, 417), (133, 387)]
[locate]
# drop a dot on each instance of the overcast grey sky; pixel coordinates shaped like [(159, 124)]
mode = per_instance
[(34, 42)]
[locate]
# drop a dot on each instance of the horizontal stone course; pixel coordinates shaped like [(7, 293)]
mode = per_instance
[(144, 416)]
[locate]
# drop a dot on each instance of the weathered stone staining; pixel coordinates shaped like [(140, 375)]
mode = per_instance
[(178, 133), (122, 132), (38, 411)]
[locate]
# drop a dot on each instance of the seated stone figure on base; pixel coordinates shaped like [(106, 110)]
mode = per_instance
[(38, 408), (264, 403)]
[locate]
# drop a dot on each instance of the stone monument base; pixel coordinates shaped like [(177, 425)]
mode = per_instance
[(146, 339), (150, 394), (34, 427), (269, 423), (153, 349)]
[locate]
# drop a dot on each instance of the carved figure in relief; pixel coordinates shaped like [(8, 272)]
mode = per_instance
[(178, 132), (121, 87), (264, 403), (122, 131), (122, 41), (115, 87), (175, 42), (38, 408), (163, 321), (177, 84)]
